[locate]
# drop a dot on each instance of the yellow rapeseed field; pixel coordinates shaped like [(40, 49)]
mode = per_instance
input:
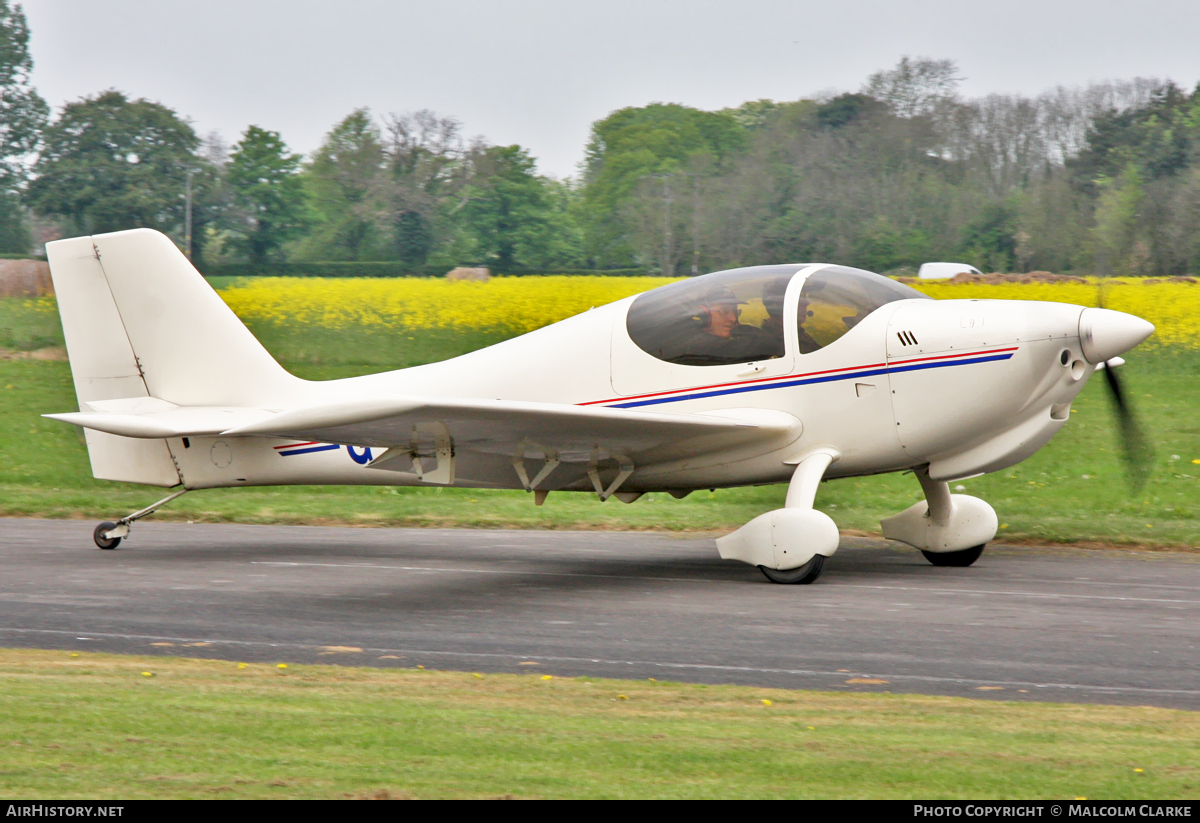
[(518, 304), (521, 304)]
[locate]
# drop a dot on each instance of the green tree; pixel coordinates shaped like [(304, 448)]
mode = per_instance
[(342, 180), (109, 163), (882, 246), (1138, 171), (515, 218), (212, 201), (14, 231), (915, 87), (1115, 232), (847, 108), (1161, 138), (23, 115), (753, 113), (268, 194), (842, 181), (990, 240), (629, 147), (426, 169), (23, 112), (1052, 216)]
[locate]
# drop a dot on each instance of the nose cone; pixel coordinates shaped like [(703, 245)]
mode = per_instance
[(1104, 334)]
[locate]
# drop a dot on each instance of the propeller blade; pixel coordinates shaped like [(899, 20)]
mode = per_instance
[(1136, 450)]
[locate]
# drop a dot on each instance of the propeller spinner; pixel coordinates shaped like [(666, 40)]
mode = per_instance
[(1103, 334)]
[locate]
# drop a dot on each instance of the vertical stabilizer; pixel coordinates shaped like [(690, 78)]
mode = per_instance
[(103, 364), (192, 349), (140, 321)]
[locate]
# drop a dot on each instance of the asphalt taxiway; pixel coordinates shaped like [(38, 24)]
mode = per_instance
[(1023, 623)]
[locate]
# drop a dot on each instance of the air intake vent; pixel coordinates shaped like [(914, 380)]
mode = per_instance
[(907, 338)]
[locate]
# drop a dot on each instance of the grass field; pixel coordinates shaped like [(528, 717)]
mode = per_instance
[(82, 725), (104, 726), (44, 469)]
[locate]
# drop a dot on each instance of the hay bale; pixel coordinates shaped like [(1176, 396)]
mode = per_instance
[(480, 274), (25, 278), (995, 278)]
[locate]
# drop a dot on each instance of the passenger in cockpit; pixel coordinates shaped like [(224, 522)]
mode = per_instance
[(806, 342), (773, 294)]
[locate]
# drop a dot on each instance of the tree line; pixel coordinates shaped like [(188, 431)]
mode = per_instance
[(904, 170)]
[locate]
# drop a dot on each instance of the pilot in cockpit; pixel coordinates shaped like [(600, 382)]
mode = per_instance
[(723, 335), (720, 315)]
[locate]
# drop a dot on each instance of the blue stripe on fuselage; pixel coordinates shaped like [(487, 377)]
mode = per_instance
[(310, 451), (806, 381)]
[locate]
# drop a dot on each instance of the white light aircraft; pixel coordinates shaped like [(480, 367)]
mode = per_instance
[(771, 374)]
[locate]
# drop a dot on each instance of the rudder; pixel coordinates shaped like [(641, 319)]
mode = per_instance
[(103, 364), (140, 321)]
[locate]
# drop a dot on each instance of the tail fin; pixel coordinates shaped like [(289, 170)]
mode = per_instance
[(192, 350), (139, 321)]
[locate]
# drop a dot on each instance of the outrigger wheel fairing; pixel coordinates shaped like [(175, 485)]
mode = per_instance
[(796, 373)]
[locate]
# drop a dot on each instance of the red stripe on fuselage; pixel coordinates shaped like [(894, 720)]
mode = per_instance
[(298, 445), (795, 376)]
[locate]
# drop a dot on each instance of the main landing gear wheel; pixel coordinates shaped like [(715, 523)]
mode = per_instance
[(807, 573), (960, 559), (105, 542)]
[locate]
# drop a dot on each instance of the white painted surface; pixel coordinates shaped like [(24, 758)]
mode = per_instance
[(944, 271), (781, 539), (103, 365), (1105, 333), (173, 388), (971, 522)]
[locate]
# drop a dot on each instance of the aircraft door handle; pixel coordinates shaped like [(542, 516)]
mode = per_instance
[(755, 368)]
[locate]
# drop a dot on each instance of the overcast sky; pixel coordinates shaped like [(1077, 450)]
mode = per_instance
[(539, 72)]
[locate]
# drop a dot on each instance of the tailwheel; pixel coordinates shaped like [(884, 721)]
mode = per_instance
[(102, 533), (807, 573), (105, 542), (960, 558)]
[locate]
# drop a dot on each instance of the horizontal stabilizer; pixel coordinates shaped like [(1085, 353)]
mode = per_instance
[(152, 418)]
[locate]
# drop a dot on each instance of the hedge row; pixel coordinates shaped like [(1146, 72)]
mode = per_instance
[(353, 269)]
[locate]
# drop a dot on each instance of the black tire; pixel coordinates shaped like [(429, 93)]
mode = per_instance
[(959, 559), (105, 542), (805, 574)]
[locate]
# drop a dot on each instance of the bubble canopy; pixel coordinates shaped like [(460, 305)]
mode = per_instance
[(738, 316)]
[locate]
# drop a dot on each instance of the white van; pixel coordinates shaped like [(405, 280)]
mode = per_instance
[(944, 271)]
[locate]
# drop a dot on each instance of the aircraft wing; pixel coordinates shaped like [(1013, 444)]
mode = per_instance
[(427, 427), (575, 433)]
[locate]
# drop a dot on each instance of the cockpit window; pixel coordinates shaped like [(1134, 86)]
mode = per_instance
[(715, 320), (835, 299)]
